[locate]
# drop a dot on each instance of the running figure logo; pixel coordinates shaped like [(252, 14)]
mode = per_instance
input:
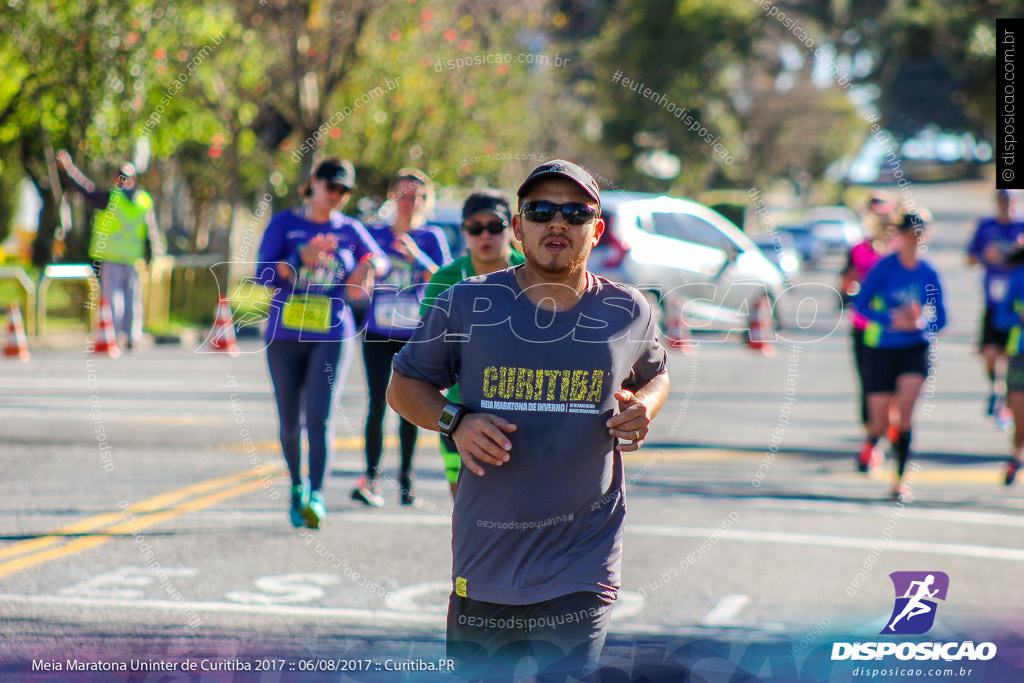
[(914, 611)]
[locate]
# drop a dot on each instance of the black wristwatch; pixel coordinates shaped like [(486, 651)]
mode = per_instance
[(450, 418)]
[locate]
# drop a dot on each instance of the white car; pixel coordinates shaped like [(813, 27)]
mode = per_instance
[(837, 228), (686, 257)]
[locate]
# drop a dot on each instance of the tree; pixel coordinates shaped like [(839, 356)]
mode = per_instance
[(683, 52), (934, 61), (66, 68)]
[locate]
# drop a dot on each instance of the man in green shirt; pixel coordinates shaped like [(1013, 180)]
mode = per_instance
[(486, 224)]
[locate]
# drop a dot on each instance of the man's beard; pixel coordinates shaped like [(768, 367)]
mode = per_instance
[(577, 264)]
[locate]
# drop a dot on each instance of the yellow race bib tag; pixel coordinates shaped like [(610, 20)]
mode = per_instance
[(307, 312), (460, 587)]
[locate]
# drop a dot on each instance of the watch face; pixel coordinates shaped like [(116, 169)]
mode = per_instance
[(447, 416)]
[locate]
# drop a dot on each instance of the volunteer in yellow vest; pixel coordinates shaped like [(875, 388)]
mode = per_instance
[(124, 230)]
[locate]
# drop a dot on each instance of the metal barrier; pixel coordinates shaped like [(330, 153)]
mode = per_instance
[(18, 273), (194, 284), (70, 271), (187, 287)]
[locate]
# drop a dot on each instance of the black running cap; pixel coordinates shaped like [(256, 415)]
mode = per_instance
[(337, 172), (560, 168)]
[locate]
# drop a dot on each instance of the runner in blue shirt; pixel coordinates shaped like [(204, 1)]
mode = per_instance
[(416, 251), (993, 240), (313, 257), (902, 300)]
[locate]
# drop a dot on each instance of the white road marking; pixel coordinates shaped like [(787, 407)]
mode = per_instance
[(123, 582), (726, 610), (342, 614), (285, 588), (629, 605), (959, 516), (754, 536), (336, 615), (164, 384), (818, 540), (407, 599)]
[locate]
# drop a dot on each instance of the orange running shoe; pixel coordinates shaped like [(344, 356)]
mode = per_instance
[(893, 434)]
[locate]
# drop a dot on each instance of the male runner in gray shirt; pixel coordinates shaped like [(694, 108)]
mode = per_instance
[(556, 366)]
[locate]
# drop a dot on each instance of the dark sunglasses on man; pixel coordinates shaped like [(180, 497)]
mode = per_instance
[(477, 229), (542, 211)]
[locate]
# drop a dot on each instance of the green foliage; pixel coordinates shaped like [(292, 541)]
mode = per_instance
[(418, 84), (682, 50)]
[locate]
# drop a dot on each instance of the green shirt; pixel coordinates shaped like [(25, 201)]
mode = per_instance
[(457, 271)]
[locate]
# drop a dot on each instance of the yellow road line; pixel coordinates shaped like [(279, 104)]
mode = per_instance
[(126, 528), (990, 475), (78, 545), (101, 520), (191, 506)]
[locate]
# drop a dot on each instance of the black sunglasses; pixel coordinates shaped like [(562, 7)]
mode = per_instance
[(477, 229), (334, 187), (543, 211)]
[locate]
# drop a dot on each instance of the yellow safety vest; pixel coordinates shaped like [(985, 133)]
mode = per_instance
[(119, 231)]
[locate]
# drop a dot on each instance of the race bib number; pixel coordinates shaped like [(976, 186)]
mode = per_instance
[(307, 312), (997, 288), (396, 311)]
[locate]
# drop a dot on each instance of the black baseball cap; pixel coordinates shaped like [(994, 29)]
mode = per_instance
[(911, 221), (337, 172), (560, 168), (487, 200)]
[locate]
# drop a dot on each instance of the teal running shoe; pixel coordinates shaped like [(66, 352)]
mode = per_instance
[(298, 503), (314, 511)]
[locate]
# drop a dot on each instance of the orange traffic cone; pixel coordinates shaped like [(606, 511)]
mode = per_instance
[(676, 329), (222, 336), (106, 338), (17, 343), (761, 336)]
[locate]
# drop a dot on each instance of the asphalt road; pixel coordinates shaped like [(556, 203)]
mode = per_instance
[(143, 512)]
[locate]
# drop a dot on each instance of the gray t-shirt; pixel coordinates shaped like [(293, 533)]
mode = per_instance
[(549, 521)]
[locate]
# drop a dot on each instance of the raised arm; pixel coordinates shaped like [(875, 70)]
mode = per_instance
[(79, 179)]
